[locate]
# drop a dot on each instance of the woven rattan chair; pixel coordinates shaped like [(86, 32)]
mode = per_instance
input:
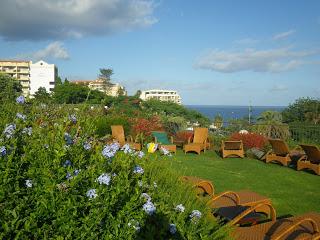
[(232, 148), (161, 138), (118, 135), (311, 160), (280, 152), (301, 227), (228, 198), (199, 142)]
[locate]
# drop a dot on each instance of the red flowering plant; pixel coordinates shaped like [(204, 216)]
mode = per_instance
[(250, 140), (142, 127)]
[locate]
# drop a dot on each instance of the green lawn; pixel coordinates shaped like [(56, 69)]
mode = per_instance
[(292, 192)]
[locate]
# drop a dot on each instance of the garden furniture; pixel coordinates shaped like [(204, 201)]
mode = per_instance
[(118, 135), (161, 138), (199, 142), (280, 152), (232, 148), (311, 159), (305, 227), (228, 198)]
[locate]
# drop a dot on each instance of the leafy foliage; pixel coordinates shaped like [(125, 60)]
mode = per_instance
[(9, 88), (250, 140)]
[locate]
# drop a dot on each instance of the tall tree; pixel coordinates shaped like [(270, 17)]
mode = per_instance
[(10, 88), (42, 95)]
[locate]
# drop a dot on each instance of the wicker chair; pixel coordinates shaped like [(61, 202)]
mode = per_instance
[(280, 152), (232, 148), (228, 198), (199, 142), (305, 227), (161, 138), (118, 135), (311, 160)]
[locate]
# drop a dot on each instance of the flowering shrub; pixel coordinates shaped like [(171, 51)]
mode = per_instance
[(184, 135), (54, 185), (250, 140), (145, 126)]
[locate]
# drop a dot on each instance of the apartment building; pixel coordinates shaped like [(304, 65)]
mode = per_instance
[(99, 84), (32, 76), (162, 95)]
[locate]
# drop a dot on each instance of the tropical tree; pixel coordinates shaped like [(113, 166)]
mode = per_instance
[(269, 124), (10, 88)]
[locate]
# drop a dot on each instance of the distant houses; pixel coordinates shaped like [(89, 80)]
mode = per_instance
[(32, 76), (162, 95), (110, 89)]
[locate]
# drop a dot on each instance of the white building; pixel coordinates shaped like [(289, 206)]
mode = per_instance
[(31, 75), (162, 95), (42, 74)]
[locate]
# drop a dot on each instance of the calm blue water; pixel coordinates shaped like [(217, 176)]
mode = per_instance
[(232, 112)]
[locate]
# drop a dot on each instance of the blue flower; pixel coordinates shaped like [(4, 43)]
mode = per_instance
[(68, 139), (73, 118), (149, 208), (86, 145), (29, 183), (3, 151), (9, 130), (76, 172), (126, 148), (21, 116), (67, 163), (146, 196), (69, 176), (104, 179), (91, 193), (20, 99), (180, 208), (138, 169), (195, 215), (110, 150), (27, 130), (172, 228), (140, 154)]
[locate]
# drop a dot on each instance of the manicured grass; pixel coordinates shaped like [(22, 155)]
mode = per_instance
[(292, 192)]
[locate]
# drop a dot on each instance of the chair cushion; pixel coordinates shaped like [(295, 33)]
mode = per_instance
[(161, 137)]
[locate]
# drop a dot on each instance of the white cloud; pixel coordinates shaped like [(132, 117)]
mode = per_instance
[(272, 60), (60, 19), (283, 35), (54, 50), (279, 88)]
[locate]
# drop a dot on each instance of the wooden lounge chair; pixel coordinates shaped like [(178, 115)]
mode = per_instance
[(118, 135), (301, 227), (232, 148), (311, 160), (228, 198), (280, 152), (199, 142), (161, 138)]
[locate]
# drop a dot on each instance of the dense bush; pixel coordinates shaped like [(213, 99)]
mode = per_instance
[(58, 181), (250, 140), (103, 124)]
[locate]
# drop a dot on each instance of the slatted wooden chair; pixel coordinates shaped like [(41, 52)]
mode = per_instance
[(118, 135), (301, 227), (311, 160), (228, 198), (199, 142), (232, 148), (161, 138), (280, 152)]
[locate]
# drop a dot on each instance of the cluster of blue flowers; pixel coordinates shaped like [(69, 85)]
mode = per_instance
[(21, 116), (195, 215), (3, 151), (27, 130), (92, 193), (110, 149), (73, 118), (9, 130), (68, 139), (87, 146), (20, 100), (180, 208), (104, 178), (149, 208), (138, 170)]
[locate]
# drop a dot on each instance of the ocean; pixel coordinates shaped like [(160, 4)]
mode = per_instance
[(232, 112)]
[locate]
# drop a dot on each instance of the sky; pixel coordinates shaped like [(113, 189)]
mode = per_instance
[(264, 53)]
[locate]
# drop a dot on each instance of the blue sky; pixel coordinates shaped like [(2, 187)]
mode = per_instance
[(211, 52)]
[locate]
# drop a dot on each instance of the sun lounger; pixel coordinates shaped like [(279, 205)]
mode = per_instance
[(301, 227), (161, 138), (311, 160), (232, 148), (118, 135), (199, 142)]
